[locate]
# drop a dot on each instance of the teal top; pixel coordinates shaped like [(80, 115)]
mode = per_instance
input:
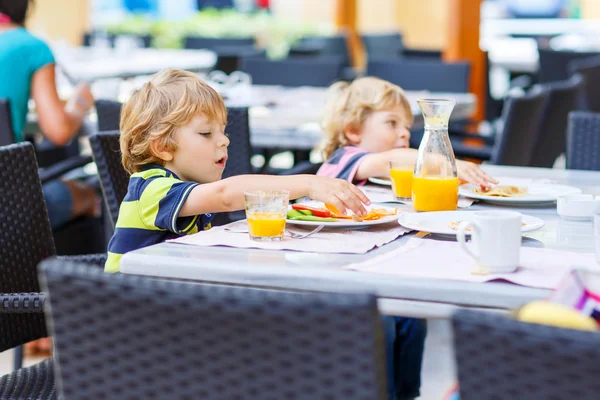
[(21, 55)]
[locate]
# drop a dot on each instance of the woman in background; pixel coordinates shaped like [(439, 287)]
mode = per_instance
[(27, 70)]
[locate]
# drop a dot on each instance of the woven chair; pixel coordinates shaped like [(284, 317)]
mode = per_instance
[(583, 141), (551, 138), (554, 64), (389, 44), (163, 339), (522, 118), (113, 177), (319, 71), (25, 240), (421, 75), (589, 69), (501, 358), (109, 115)]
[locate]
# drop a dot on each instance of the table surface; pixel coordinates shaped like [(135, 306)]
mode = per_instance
[(89, 63), (402, 296)]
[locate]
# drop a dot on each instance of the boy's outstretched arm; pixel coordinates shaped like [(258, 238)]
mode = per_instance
[(228, 194)]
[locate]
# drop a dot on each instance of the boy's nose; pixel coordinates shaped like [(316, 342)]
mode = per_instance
[(224, 141)]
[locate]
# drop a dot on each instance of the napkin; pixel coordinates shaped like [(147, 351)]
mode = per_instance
[(426, 258), (354, 241)]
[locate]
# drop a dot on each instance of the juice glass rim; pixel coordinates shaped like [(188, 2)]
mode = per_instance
[(267, 193)]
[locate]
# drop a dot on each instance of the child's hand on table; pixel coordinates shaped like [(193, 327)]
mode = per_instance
[(470, 172), (339, 193)]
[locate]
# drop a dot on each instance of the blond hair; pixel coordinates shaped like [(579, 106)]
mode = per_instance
[(168, 101), (349, 104)]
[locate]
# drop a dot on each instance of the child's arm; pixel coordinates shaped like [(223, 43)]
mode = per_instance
[(228, 194), (378, 165)]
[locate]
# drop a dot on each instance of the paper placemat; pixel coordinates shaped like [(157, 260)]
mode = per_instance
[(426, 258), (355, 241)]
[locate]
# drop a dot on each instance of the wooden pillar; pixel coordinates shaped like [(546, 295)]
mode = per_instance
[(60, 19), (346, 19), (464, 18)]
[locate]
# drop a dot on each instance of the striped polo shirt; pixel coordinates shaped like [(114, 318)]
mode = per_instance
[(149, 213), (343, 164)]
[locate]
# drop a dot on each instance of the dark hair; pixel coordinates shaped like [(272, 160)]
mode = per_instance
[(15, 9)]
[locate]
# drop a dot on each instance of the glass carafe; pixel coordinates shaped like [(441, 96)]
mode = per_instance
[(435, 182)]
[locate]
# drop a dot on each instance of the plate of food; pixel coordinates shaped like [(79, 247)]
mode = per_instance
[(381, 181), (447, 222), (516, 193), (312, 214)]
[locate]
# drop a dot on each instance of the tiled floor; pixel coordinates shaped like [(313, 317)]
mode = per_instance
[(438, 369)]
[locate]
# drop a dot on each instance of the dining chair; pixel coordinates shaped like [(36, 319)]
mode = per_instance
[(551, 137), (323, 46), (589, 69), (583, 141), (554, 64), (109, 115), (25, 240), (161, 339), (81, 235), (114, 179), (498, 357), (320, 71), (202, 42), (421, 75), (521, 120), (386, 45)]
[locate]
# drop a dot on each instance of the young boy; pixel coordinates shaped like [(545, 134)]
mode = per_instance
[(174, 145)]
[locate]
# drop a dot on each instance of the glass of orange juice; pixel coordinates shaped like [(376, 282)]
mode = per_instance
[(401, 175), (266, 212)]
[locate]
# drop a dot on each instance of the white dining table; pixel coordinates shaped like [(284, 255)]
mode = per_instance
[(92, 64), (428, 298)]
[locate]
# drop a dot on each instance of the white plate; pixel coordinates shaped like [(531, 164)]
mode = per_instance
[(539, 193), (438, 222), (344, 223), (380, 181)]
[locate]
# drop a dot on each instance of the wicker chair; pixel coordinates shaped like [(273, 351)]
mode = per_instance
[(501, 358), (25, 240), (164, 339)]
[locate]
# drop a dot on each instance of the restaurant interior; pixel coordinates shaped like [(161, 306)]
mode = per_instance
[(300, 199)]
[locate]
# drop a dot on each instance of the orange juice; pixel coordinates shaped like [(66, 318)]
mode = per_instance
[(435, 194), (266, 224), (402, 182)]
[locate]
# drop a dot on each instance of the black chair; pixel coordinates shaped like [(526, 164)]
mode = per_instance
[(201, 42), (522, 118), (583, 141), (333, 45), (146, 39), (25, 240), (589, 69), (109, 115), (422, 54), (318, 71), (498, 357), (164, 339), (551, 140), (82, 235), (421, 75), (554, 64), (114, 179), (383, 45)]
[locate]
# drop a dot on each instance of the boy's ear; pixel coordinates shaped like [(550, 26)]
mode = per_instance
[(352, 134), (159, 150)]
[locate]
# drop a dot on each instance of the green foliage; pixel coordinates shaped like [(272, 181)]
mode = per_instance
[(274, 35)]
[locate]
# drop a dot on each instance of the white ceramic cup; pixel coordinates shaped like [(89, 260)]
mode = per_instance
[(496, 238)]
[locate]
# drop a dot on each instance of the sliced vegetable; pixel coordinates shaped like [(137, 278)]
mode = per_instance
[(297, 215), (317, 212), (335, 213)]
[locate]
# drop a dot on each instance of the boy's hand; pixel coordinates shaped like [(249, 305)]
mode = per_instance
[(471, 173), (340, 193)]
